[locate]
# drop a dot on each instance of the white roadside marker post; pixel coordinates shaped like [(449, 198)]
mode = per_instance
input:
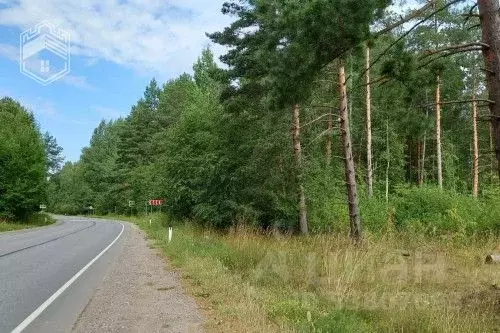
[(169, 234)]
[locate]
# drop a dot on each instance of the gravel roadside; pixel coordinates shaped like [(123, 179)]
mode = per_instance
[(140, 294)]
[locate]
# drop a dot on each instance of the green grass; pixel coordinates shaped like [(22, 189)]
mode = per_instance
[(37, 220), (398, 282)]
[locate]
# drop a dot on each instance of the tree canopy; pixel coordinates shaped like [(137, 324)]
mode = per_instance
[(23, 161), (220, 146)]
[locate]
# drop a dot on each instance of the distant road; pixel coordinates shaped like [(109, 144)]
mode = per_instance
[(48, 275)]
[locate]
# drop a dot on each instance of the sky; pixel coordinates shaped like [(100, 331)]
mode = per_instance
[(116, 48)]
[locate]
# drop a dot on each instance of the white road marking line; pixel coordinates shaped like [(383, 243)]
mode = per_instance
[(52, 298)]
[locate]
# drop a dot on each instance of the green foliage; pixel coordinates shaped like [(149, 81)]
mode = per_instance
[(99, 167), (490, 216), (278, 48), (216, 145), (34, 221), (23, 162), (426, 210), (432, 211), (376, 214), (54, 153), (190, 156), (68, 192)]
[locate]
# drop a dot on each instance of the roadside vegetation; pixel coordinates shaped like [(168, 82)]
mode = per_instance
[(28, 158), (35, 220), (252, 281)]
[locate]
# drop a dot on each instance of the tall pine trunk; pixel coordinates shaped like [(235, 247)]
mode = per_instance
[(492, 149), (424, 148), (475, 181), (490, 23), (356, 231), (388, 153), (369, 125), (329, 139), (419, 164), (438, 134), (297, 148), (422, 165)]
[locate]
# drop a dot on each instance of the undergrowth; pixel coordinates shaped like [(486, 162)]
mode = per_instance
[(36, 220), (249, 281)]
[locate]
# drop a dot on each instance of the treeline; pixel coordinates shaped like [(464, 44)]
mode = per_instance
[(259, 143), (27, 158)]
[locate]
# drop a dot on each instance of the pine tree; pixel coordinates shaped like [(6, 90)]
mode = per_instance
[(287, 45)]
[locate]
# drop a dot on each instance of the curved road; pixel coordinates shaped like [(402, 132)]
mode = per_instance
[(48, 275)]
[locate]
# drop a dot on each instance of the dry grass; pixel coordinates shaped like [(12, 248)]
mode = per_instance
[(6, 226), (37, 220), (249, 282)]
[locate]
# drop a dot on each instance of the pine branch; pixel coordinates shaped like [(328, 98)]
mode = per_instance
[(471, 49), (429, 53), (328, 131), (377, 80), (487, 71), (323, 106), (403, 36), (468, 15), (317, 119), (407, 18), (467, 101), (474, 26), (488, 118), (471, 14), (464, 101)]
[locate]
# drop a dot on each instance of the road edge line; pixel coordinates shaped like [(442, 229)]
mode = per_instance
[(26, 322)]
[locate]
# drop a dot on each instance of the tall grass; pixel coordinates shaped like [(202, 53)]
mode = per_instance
[(36, 220), (395, 282)]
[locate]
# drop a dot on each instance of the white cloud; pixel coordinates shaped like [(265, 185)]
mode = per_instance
[(109, 113), (41, 107), (91, 62), (160, 36), (78, 81), (10, 52)]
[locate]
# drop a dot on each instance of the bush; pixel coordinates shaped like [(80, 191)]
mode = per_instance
[(489, 220), (374, 214), (426, 210), (431, 210)]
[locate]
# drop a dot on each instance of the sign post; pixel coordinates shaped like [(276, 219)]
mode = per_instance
[(155, 203), (131, 204)]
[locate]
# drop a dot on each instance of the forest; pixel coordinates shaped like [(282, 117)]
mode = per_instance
[(27, 158), (309, 98), (307, 94)]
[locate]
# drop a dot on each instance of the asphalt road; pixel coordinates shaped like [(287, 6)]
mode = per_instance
[(48, 275)]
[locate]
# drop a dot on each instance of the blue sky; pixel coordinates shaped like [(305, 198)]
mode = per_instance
[(117, 46)]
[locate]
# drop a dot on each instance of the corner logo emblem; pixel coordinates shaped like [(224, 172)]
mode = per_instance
[(45, 53)]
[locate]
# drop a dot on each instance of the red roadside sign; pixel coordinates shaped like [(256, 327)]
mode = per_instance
[(156, 202)]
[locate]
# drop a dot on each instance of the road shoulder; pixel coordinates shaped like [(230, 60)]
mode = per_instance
[(140, 294)]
